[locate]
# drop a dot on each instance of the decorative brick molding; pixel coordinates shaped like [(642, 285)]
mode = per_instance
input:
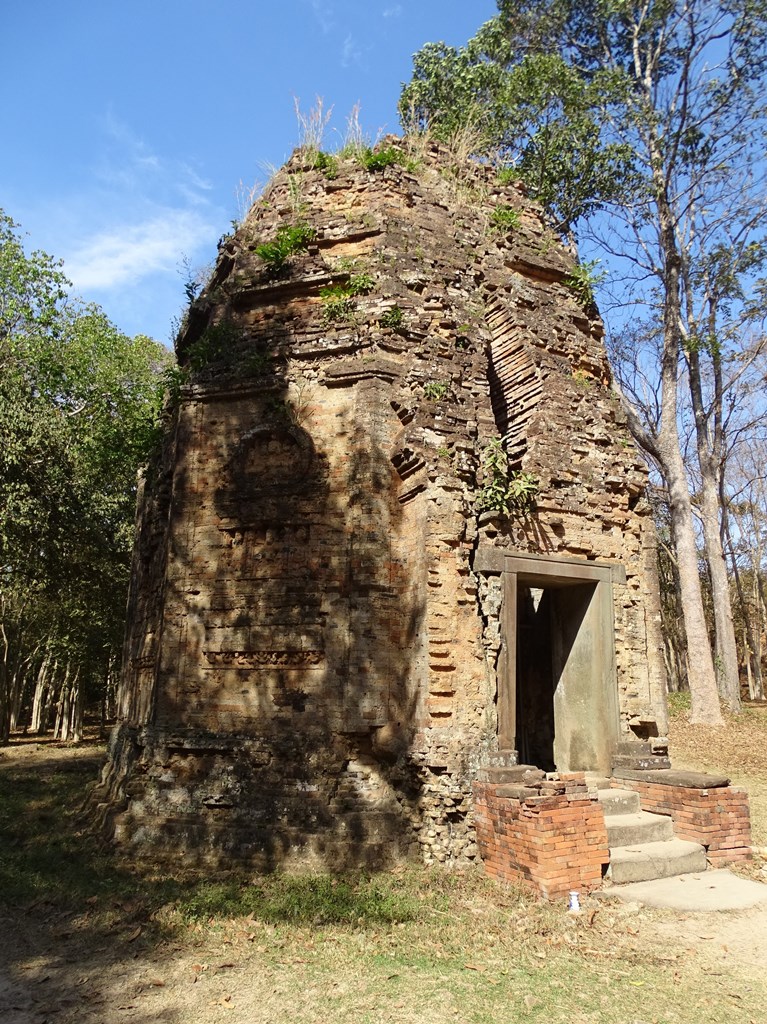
[(555, 841), (716, 817)]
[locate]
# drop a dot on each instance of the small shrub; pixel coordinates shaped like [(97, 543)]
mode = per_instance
[(582, 379), (505, 491), (377, 161), (289, 240), (582, 281), (505, 218), (436, 390), (257, 363), (337, 304), (360, 284), (215, 343), (328, 164), (338, 299), (507, 175), (392, 318)]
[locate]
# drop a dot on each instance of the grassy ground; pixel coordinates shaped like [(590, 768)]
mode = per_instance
[(91, 941)]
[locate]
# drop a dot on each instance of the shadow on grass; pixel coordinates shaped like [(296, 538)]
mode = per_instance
[(70, 907), (47, 857)]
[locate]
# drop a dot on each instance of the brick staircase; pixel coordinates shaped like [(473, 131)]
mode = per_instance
[(643, 845)]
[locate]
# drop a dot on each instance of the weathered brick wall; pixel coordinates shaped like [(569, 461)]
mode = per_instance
[(311, 664), (717, 818), (555, 841)]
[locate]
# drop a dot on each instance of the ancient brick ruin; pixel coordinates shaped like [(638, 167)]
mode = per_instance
[(332, 637)]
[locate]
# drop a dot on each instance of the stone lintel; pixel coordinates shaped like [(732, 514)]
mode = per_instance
[(496, 560)]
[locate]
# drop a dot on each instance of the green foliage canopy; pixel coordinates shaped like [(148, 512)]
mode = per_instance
[(79, 406)]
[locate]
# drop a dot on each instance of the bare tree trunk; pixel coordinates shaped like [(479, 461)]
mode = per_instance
[(751, 646), (726, 646), (5, 721), (76, 710), (704, 694), (38, 701)]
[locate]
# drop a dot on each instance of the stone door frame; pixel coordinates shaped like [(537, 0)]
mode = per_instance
[(593, 705)]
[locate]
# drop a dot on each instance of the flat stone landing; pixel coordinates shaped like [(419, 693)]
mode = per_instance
[(701, 891)]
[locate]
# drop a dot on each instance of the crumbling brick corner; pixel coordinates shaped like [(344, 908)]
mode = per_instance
[(551, 837), (707, 810)]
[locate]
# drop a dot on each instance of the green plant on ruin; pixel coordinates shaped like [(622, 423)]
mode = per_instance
[(258, 363), (338, 306), (444, 452), (507, 175), (505, 491), (583, 279), (327, 163), (436, 390), (582, 379), (505, 218), (393, 318), (290, 240), (377, 161), (292, 409), (214, 344), (338, 303)]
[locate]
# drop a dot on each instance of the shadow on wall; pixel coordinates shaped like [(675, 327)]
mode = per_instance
[(286, 690)]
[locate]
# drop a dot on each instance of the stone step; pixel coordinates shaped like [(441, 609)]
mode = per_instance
[(644, 861), (502, 759), (637, 827), (595, 780), (619, 801), (518, 773)]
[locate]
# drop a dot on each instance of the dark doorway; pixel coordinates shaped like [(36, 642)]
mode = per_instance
[(557, 688), (555, 660)]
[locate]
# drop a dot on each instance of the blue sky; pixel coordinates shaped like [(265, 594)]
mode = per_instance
[(129, 129)]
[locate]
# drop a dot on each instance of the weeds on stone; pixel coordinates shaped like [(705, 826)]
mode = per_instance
[(289, 241), (505, 218), (583, 279), (505, 491), (436, 390), (215, 343), (327, 163), (392, 318), (338, 300)]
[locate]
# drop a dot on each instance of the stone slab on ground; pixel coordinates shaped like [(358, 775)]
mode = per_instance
[(674, 777), (701, 891)]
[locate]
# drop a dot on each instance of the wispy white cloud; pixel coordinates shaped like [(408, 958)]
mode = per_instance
[(351, 52), (324, 12), (124, 255), (392, 12)]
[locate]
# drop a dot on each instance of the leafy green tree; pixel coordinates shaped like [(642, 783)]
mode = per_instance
[(531, 110), (667, 99), (79, 403)]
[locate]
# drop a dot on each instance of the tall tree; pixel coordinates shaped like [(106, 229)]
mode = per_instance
[(78, 411), (672, 91)]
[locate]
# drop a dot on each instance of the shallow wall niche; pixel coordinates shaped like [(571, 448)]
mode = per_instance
[(557, 693)]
